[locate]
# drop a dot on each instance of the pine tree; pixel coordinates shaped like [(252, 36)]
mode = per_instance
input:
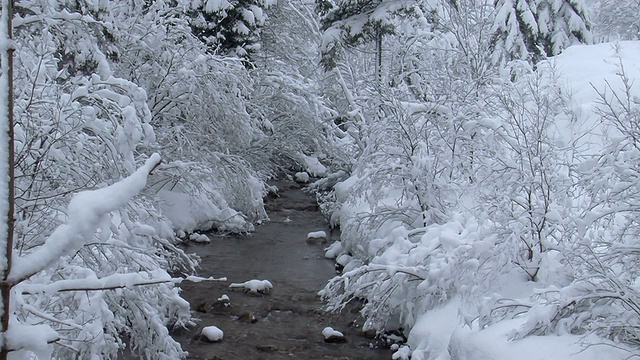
[(534, 29), (229, 27), (353, 22)]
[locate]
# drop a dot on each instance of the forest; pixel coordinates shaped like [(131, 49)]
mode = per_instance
[(481, 159)]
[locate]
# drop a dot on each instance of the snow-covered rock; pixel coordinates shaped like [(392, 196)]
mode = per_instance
[(212, 334), (302, 177), (333, 250), (333, 336), (344, 259), (200, 238), (223, 300), (400, 352), (253, 286), (317, 235)]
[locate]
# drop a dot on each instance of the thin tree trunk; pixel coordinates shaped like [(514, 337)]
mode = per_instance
[(7, 83), (379, 55)]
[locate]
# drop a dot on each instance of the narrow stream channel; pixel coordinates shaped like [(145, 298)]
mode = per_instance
[(287, 323)]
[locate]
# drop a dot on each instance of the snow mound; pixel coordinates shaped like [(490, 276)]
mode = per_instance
[(212, 333), (253, 286)]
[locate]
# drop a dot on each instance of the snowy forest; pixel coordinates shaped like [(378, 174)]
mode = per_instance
[(481, 159)]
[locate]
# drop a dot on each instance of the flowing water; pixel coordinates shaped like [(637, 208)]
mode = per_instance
[(287, 322)]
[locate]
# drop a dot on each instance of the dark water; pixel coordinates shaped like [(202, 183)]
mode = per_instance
[(287, 323)]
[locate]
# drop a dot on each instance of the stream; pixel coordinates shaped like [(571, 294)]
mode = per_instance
[(287, 322)]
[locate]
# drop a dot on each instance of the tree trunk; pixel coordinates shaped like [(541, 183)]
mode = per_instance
[(378, 55), (6, 139)]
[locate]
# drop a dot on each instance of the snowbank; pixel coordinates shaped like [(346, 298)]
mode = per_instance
[(493, 344), (441, 335), (585, 72), (189, 213)]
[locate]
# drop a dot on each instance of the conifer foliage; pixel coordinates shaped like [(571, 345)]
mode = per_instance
[(533, 29), (229, 27)]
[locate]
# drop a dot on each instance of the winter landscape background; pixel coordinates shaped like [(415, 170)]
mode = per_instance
[(480, 157)]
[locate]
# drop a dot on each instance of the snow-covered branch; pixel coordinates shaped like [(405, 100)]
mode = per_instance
[(85, 213), (111, 282)]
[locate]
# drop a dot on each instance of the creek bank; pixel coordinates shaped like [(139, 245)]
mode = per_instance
[(287, 321)]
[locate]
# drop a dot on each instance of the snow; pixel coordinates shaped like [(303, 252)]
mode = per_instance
[(431, 333), (30, 340), (493, 344), (344, 259), (253, 286), (313, 165), (317, 235), (197, 279), (333, 250), (191, 212), (85, 212), (330, 332), (200, 238), (302, 177), (585, 70), (443, 333), (440, 335), (212, 333)]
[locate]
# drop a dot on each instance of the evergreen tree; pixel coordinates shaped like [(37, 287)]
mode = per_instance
[(229, 27), (533, 29), (349, 22)]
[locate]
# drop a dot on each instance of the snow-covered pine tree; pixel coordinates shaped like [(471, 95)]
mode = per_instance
[(229, 27), (349, 22), (533, 29)]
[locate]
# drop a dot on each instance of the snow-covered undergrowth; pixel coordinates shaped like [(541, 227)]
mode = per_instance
[(97, 92), (523, 237), (208, 182)]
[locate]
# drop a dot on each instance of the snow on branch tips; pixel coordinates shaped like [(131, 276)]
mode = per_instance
[(85, 212)]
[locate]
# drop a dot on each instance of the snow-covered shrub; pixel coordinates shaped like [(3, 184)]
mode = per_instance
[(420, 144), (525, 191), (80, 127), (285, 99), (600, 249), (616, 21), (198, 109), (414, 271)]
